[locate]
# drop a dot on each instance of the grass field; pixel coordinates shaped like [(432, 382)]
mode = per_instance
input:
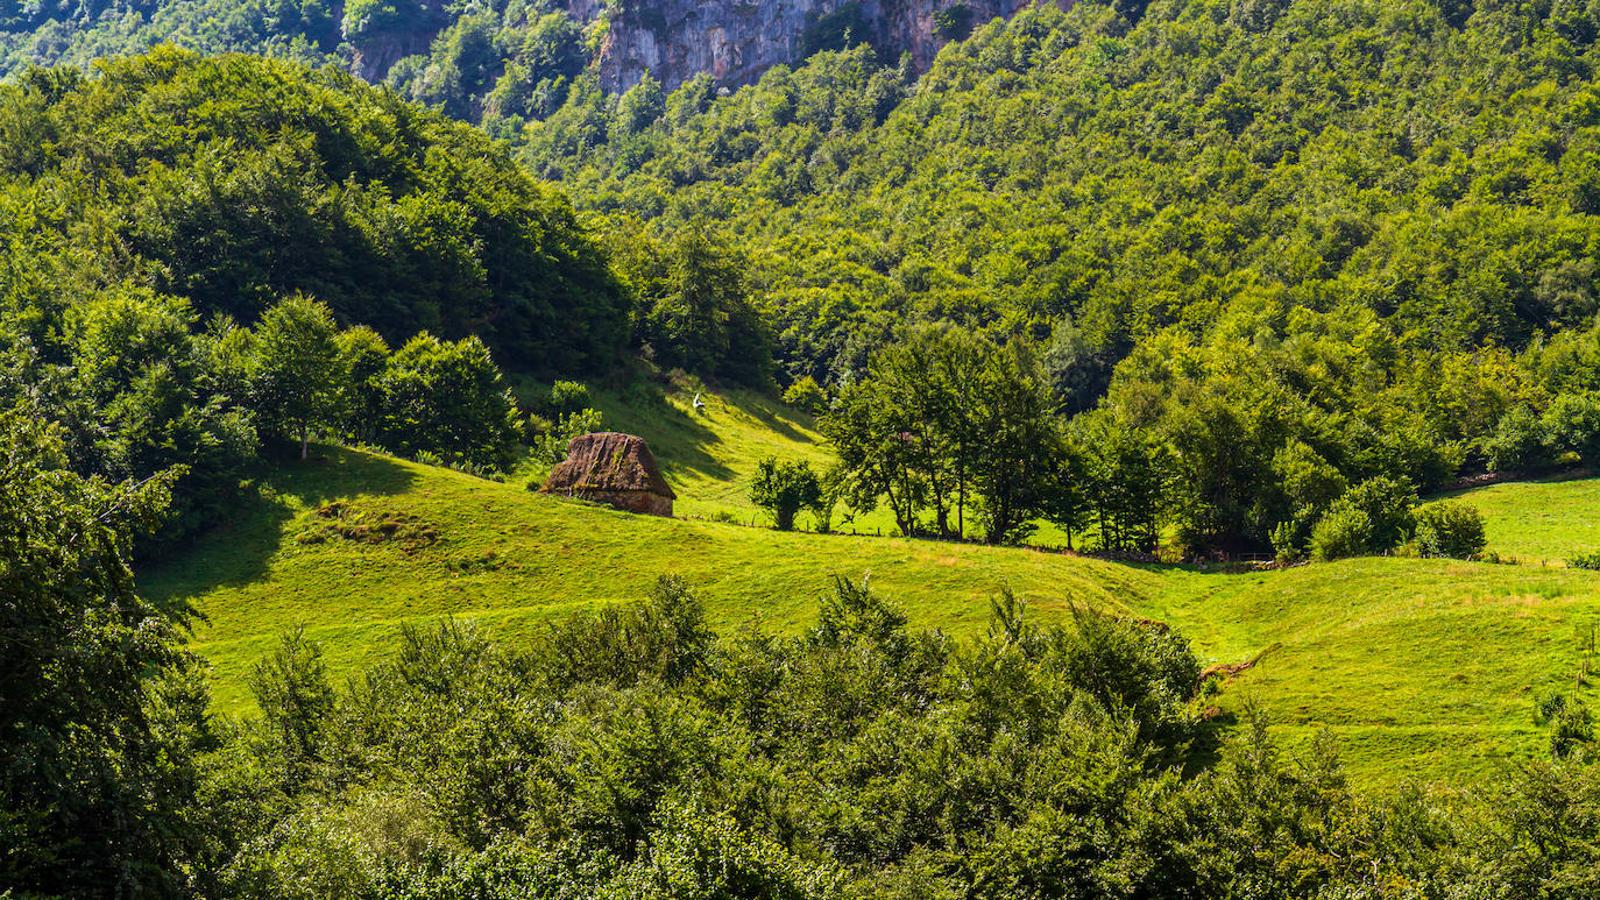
[(351, 545), (1425, 669), (1543, 522)]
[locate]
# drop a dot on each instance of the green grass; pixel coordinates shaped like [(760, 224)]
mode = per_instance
[(1543, 522), (510, 558), (709, 455), (1422, 669)]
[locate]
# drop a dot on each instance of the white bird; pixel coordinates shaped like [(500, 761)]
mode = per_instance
[(698, 403)]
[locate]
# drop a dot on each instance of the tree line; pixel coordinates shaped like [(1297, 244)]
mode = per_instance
[(140, 388), (961, 437)]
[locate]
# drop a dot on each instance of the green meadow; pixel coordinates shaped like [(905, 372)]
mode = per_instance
[(1543, 522), (1422, 669)]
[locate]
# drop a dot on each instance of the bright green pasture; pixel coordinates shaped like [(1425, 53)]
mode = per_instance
[(1421, 668), (1542, 522)]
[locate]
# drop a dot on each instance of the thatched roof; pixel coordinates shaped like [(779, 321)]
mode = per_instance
[(607, 461)]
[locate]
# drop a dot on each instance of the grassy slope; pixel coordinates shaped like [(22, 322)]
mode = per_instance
[(1422, 668), (708, 456), (1541, 522), (509, 558)]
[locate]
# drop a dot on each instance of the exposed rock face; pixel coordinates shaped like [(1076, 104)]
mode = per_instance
[(612, 468), (375, 54), (736, 41)]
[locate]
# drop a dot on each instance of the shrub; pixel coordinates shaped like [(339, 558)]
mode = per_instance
[(1286, 542), (1450, 529), (1519, 443), (1590, 560), (552, 447), (1342, 532), (1572, 725), (448, 398), (566, 398), (806, 394), (1572, 425), (1387, 504)]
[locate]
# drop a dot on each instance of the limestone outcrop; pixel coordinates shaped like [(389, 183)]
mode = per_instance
[(736, 41)]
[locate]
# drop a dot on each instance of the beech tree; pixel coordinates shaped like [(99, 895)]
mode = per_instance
[(295, 379), (784, 489), (448, 398)]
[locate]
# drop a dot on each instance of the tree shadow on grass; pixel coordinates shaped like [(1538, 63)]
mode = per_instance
[(769, 413), (238, 550), (1212, 735), (678, 441)]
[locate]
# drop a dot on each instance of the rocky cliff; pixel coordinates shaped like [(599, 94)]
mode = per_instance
[(736, 40)]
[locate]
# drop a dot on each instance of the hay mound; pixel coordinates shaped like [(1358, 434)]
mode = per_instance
[(615, 469)]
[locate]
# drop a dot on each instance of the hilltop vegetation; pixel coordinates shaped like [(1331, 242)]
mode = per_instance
[(204, 259), (231, 181)]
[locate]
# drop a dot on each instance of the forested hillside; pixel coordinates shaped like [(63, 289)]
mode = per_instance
[(203, 259), (230, 180), (1273, 249)]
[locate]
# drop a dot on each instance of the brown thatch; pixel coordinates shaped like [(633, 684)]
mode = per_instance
[(613, 468)]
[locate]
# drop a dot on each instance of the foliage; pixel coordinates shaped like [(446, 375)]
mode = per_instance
[(634, 751), (1343, 531), (1377, 268), (805, 394), (944, 420), (1590, 560), (784, 489), (1387, 504), (294, 382), (101, 712), (566, 398), (692, 303), (233, 181), (448, 398), (1450, 529)]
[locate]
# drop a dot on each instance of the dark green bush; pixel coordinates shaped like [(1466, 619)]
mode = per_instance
[(1343, 531), (1450, 529)]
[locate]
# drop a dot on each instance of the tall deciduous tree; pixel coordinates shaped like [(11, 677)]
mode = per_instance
[(448, 398), (1022, 450), (295, 378), (784, 489)]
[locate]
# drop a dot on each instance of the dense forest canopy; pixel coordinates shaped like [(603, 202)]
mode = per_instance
[(232, 180), (1434, 165), (202, 259), (1353, 238)]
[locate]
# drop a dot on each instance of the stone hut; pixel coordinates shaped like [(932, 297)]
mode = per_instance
[(615, 469)]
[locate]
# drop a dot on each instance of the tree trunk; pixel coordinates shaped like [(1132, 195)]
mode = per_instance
[(305, 442)]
